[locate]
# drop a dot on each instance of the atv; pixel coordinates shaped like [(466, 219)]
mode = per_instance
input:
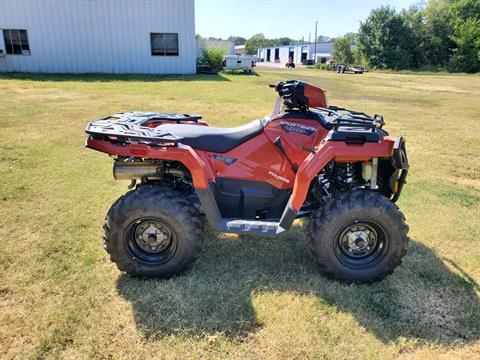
[(336, 167)]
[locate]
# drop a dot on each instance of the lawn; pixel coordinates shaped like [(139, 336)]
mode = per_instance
[(246, 298)]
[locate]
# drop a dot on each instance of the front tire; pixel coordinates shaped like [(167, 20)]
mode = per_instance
[(358, 236), (153, 231)]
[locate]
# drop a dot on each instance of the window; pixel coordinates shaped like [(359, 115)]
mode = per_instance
[(164, 44), (16, 42)]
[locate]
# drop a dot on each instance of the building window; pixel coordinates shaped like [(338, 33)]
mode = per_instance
[(16, 42), (164, 44)]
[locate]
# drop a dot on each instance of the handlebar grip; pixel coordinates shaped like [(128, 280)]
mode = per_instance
[(273, 85)]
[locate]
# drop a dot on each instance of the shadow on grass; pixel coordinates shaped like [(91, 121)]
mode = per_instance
[(423, 299), (111, 77)]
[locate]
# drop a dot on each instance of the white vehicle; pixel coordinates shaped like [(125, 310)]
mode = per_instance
[(239, 62)]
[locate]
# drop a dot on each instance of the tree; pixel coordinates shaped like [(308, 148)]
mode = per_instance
[(465, 15), (237, 40), (415, 36), (438, 27), (385, 40), (255, 42), (342, 50), (322, 39), (466, 55), (442, 33)]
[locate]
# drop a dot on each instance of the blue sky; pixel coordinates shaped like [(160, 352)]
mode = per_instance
[(277, 18)]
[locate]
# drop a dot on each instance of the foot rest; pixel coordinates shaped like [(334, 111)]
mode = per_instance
[(237, 226)]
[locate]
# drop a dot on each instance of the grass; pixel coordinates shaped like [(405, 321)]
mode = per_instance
[(249, 298)]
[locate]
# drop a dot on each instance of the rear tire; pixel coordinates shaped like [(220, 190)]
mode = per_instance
[(358, 236), (153, 231)]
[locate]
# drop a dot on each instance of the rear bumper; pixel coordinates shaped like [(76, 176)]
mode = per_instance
[(400, 163)]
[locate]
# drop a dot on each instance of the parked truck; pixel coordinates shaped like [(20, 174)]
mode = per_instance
[(244, 63)]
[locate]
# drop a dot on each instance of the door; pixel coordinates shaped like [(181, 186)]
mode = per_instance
[(291, 54), (268, 55), (304, 54)]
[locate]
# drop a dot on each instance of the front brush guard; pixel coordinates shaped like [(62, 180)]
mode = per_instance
[(400, 163)]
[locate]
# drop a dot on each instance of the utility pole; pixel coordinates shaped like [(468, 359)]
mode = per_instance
[(315, 46)]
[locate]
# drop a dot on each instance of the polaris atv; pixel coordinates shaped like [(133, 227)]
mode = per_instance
[(334, 166)]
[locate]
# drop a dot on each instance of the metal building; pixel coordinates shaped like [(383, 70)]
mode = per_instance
[(98, 36), (321, 52)]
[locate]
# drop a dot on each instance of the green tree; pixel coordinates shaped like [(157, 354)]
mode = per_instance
[(415, 36), (465, 20), (438, 28), (466, 55), (255, 42), (322, 39), (385, 40), (442, 33), (342, 50), (237, 40)]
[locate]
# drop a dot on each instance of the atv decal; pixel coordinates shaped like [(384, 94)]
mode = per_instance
[(297, 128), (224, 159), (279, 177)]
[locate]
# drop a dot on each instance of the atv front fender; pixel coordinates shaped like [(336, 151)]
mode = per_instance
[(337, 151)]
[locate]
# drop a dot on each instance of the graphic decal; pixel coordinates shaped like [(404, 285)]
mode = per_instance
[(297, 128), (278, 177), (224, 159)]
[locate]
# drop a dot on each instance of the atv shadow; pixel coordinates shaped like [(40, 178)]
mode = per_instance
[(423, 299)]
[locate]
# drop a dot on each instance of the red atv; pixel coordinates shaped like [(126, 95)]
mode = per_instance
[(337, 167)]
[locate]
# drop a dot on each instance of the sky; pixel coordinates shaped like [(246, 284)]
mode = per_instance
[(284, 18)]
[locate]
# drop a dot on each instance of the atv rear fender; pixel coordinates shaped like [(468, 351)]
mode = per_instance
[(193, 161)]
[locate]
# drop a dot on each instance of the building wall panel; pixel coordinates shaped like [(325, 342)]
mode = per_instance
[(108, 36)]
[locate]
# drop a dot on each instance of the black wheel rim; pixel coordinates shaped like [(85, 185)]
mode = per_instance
[(151, 240), (361, 244)]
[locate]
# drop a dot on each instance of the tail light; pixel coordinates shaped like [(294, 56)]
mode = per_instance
[(224, 63)]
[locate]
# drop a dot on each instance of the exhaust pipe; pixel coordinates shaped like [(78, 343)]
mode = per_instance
[(137, 170)]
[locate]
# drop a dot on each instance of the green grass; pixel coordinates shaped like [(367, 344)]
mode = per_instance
[(249, 298)]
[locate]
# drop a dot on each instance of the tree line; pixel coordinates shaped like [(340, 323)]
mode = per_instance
[(435, 35), (441, 35)]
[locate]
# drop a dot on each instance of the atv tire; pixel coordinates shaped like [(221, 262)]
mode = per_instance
[(359, 236), (153, 231)]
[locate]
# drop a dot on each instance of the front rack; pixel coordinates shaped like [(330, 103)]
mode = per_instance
[(351, 117), (352, 126)]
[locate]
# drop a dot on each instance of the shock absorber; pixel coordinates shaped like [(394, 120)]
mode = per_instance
[(349, 174)]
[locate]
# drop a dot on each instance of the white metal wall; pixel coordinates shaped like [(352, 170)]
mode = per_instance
[(109, 36), (323, 48)]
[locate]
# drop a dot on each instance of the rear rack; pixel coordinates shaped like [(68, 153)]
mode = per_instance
[(138, 127)]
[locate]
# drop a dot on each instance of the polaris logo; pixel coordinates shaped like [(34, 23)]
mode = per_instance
[(278, 177), (297, 128)]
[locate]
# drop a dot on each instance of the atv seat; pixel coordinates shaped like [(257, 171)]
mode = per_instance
[(219, 140)]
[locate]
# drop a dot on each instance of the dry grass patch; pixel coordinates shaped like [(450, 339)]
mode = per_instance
[(60, 297)]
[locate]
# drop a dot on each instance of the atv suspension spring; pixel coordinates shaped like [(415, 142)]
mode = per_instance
[(349, 174)]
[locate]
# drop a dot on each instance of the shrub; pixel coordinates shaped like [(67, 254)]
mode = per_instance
[(212, 57), (321, 66)]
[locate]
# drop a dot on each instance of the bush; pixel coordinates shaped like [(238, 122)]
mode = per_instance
[(212, 57), (320, 66)]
